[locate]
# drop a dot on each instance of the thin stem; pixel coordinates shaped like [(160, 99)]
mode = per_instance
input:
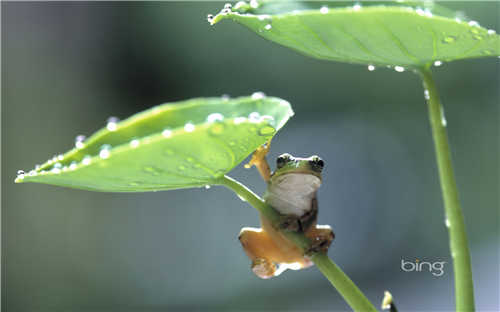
[(464, 289), (347, 289)]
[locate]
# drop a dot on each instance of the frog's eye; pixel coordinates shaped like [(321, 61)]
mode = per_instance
[(317, 161), (282, 160)]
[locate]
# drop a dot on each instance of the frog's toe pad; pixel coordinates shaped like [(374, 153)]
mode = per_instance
[(263, 268)]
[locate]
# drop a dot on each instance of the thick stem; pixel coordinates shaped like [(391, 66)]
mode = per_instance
[(347, 289), (464, 291)]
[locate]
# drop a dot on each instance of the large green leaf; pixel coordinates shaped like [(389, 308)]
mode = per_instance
[(396, 34), (185, 144)]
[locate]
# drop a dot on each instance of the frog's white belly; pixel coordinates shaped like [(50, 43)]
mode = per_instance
[(292, 193)]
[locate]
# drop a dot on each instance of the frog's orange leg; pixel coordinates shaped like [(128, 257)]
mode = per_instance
[(258, 245), (259, 161)]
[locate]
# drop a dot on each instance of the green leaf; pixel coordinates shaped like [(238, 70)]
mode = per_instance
[(397, 34), (179, 145)]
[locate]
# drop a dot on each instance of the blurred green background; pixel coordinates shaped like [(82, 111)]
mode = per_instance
[(67, 67)]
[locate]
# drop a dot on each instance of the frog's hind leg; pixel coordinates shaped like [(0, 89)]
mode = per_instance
[(260, 162), (258, 245)]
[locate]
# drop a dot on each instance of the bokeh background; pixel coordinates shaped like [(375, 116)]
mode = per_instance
[(67, 67)]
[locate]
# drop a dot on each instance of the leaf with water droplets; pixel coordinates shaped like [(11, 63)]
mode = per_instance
[(400, 34), (178, 145)]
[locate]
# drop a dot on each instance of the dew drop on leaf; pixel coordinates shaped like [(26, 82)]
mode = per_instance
[(112, 122), (166, 133), (189, 127), (86, 160), (258, 95), (105, 151), (134, 143), (323, 10), (371, 67), (215, 117), (79, 141)]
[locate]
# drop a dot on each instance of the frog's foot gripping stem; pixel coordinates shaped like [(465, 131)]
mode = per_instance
[(321, 237), (259, 161)]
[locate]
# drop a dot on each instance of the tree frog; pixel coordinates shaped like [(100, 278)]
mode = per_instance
[(291, 190)]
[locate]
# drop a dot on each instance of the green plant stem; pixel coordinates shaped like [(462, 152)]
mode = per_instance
[(347, 289), (464, 290)]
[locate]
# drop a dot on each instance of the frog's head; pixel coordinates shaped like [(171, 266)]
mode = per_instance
[(286, 163)]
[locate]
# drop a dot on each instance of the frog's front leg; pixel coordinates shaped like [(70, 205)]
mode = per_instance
[(258, 246), (321, 237), (260, 162)]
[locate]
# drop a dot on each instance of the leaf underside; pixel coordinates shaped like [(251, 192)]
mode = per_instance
[(376, 35), (180, 145)]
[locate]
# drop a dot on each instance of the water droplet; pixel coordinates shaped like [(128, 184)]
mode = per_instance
[(60, 157), (473, 23), (79, 141), (167, 133), (420, 11), (254, 117), (268, 27), (225, 97), (449, 39), (112, 123), (207, 186), (58, 165), (32, 173), (86, 160), (371, 67), (65, 168), (254, 4), (20, 172), (228, 6), (356, 7), (189, 127), (438, 63), (399, 69), (258, 95), (73, 165), (426, 94), (443, 118), (134, 143), (447, 222), (323, 10), (105, 151), (215, 117), (37, 167), (491, 32), (210, 18), (55, 170), (266, 131), (239, 120)]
